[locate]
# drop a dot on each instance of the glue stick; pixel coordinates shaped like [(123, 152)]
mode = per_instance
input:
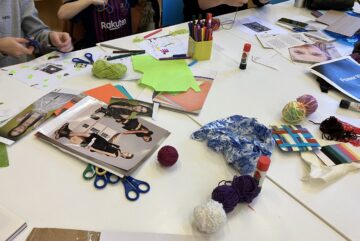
[(261, 169), (244, 56), (350, 105)]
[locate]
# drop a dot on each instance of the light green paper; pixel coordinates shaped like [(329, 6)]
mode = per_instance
[(4, 160), (165, 75)]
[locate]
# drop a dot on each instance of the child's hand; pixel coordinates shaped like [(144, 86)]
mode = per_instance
[(15, 46), (61, 40), (235, 3)]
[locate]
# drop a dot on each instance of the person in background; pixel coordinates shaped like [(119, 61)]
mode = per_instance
[(19, 22), (217, 7), (104, 20)]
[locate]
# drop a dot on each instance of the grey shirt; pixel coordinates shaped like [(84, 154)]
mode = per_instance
[(19, 18)]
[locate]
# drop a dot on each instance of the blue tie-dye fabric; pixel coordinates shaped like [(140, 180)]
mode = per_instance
[(240, 139)]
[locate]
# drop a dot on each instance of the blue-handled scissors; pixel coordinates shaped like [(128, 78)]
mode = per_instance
[(88, 56), (102, 177), (134, 187)]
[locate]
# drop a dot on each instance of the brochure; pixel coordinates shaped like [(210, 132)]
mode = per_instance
[(342, 73), (104, 136)]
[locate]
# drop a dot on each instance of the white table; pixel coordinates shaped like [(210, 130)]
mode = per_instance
[(44, 186)]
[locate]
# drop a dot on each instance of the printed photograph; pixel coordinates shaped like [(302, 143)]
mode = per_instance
[(314, 53), (257, 27), (96, 133), (122, 109), (31, 117)]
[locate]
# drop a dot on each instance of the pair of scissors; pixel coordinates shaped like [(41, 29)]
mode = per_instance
[(133, 187), (88, 56), (102, 177)]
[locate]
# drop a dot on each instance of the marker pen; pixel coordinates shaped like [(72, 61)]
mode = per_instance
[(244, 56), (350, 105)]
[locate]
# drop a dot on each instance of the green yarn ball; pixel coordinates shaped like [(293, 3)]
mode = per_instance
[(105, 70), (294, 112)]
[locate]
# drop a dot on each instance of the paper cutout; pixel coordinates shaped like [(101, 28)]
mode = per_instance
[(48, 71), (294, 138), (165, 75)]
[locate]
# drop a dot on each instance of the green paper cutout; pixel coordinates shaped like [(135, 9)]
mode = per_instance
[(4, 160), (165, 75), (12, 72), (30, 76)]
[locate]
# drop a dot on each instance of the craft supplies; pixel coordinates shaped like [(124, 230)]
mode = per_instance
[(244, 56), (240, 139), (167, 156), (106, 70), (210, 217), (89, 60), (200, 38), (335, 129), (153, 33), (345, 104), (261, 169), (120, 56), (294, 138), (310, 103), (294, 112)]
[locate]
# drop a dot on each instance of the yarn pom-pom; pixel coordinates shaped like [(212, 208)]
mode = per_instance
[(294, 112), (246, 187), (210, 217), (227, 196), (167, 156), (309, 102), (105, 70)]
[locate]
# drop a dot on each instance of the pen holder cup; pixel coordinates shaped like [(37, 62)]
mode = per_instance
[(199, 50)]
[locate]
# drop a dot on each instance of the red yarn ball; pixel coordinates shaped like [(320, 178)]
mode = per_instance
[(167, 156)]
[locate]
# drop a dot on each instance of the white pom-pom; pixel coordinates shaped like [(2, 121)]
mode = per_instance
[(210, 217)]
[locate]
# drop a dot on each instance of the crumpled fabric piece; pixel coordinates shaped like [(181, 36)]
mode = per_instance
[(319, 171), (240, 139)]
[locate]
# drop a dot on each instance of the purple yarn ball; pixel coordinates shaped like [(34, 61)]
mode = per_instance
[(227, 196), (310, 103), (246, 188)]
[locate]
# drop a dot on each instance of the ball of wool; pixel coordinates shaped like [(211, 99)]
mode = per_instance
[(227, 196), (105, 70), (294, 112), (309, 102), (210, 217), (167, 156), (246, 187)]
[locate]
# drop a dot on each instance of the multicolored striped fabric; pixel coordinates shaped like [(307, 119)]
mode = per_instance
[(294, 138), (340, 153)]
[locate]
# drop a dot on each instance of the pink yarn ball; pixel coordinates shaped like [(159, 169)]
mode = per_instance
[(309, 102), (167, 156)]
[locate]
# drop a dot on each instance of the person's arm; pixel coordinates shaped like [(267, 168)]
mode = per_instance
[(70, 9), (206, 4), (33, 27)]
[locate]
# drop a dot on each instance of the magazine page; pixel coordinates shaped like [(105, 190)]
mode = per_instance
[(89, 131), (342, 73), (34, 115), (314, 53)]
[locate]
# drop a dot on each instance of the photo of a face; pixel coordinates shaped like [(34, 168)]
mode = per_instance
[(308, 53), (257, 27)]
